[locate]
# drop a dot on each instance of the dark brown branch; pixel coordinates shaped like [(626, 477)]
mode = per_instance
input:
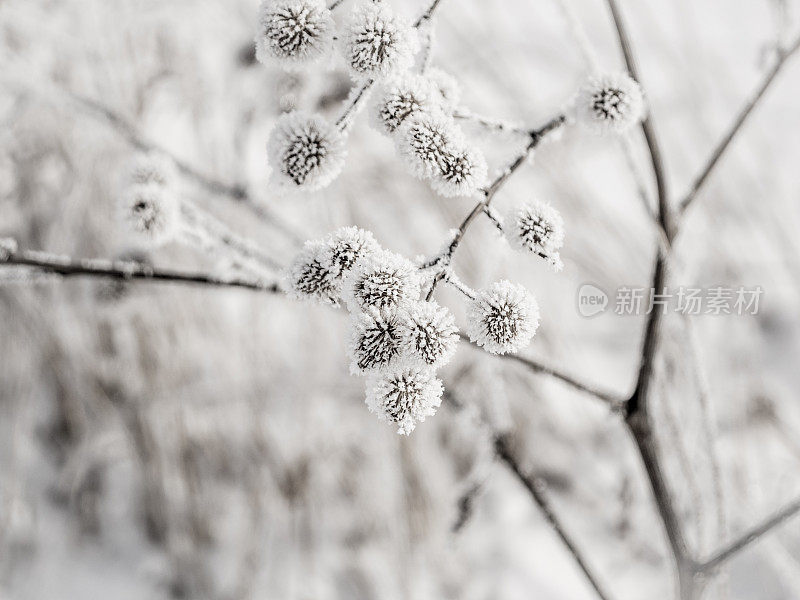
[(125, 271), (536, 489), (428, 14), (737, 125), (748, 538)]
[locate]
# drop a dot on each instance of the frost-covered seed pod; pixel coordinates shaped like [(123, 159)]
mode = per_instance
[(429, 334), (404, 396), (610, 103), (375, 341), (378, 43), (425, 142), (150, 213), (383, 281), (537, 227), (151, 167), (347, 245), (305, 152), (402, 98), (446, 86), (309, 277), (503, 318), (461, 172), (293, 33)]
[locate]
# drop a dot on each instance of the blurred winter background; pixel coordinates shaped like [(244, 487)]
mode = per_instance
[(172, 442)]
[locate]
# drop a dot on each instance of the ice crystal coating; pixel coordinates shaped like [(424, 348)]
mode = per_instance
[(305, 152), (377, 42), (462, 171), (293, 33), (446, 86), (404, 396), (375, 341), (537, 227), (425, 143), (503, 318), (309, 277), (402, 98), (383, 281), (610, 103), (346, 246), (429, 334), (150, 167), (150, 213)]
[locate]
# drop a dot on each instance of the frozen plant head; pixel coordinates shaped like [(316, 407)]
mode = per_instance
[(446, 87), (503, 318), (537, 227), (305, 152), (375, 341), (293, 33), (610, 103), (382, 280), (426, 141), (404, 396), (429, 334), (150, 213), (151, 167), (309, 277), (462, 172), (402, 98), (377, 43), (346, 246)]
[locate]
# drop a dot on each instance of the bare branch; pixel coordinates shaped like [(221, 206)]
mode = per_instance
[(125, 271), (428, 14), (737, 125), (536, 489), (749, 537), (615, 403)]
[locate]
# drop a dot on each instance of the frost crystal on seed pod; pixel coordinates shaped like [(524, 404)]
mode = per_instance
[(346, 246), (402, 98), (377, 42), (293, 33), (537, 227), (309, 277), (425, 142), (150, 213), (429, 334), (305, 152), (610, 103), (503, 318), (375, 341), (461, 172), (404, 396), (382, 280)]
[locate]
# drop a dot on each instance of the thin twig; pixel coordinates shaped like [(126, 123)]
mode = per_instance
[(125, 271), (489, 123), (749, 537), (536, 489), (428, 14), (614, 402), (735, 128)]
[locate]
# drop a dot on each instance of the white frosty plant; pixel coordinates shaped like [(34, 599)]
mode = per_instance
[(305, 152), (293, 33), (404, 396), (538, 228), (610, 103), (378, 43), (503, 318)]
